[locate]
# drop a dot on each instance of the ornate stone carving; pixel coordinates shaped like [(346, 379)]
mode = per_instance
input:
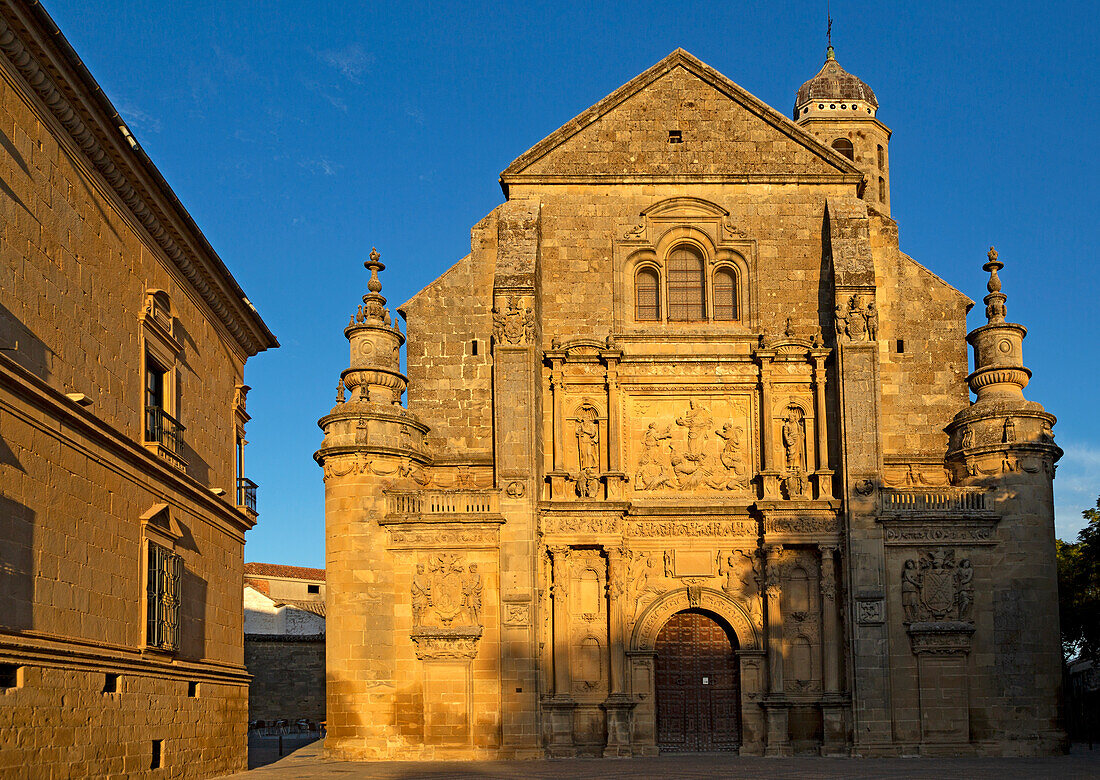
[(950, 533), (431, 537), (515, 324), (935, 588), (446, 592), (654, 464), (697, 465), (515, 489), (588, 451), (858, 321), (590, 524), (673, 528), (518, 615), (445, 643), (801, 525), (865, 487), (870, 611)]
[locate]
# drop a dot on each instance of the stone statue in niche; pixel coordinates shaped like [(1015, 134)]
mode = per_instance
[(514, 325), (794, 448), (794, 439), (588, 451), (840, 318), (655, 461), (936, 588), (669, 571)]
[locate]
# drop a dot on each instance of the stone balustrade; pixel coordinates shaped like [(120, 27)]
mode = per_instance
[(940, 500)]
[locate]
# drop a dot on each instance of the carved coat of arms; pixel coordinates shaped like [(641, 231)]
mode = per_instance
[(936, 588)]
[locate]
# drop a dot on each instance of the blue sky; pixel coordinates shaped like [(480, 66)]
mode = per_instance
[(301, 134)]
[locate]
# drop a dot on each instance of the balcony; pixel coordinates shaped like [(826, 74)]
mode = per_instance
[(246, 494), (941, 502), (164, 436), (443, 502)]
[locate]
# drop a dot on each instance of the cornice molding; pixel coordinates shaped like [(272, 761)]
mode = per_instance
[(25, 54)]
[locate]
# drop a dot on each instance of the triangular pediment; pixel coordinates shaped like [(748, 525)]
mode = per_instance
[(726, 134)]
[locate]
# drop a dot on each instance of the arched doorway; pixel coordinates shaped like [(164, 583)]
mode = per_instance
[(697, 684)]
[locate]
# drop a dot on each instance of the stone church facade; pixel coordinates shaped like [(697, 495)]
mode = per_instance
[(689, 462)]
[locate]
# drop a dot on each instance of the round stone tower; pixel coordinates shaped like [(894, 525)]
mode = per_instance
[(1004, 443), (841, 111), (372, 445)]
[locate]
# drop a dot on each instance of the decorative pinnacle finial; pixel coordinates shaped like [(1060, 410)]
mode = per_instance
[(995, 309), (374, 266)]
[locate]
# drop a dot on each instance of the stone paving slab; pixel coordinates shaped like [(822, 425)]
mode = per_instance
[(308, 763)]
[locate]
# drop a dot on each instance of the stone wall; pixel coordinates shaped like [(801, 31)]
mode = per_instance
[(288, 677), (60, 722)]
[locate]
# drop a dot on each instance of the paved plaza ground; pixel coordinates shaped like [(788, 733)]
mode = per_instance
[(307, 763)]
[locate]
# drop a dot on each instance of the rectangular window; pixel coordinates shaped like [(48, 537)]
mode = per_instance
[(163, 598), (313, 589), (158, 746), (110, 683), (192, 690)]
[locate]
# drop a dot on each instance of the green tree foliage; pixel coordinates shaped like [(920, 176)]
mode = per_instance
[(1079, 590)]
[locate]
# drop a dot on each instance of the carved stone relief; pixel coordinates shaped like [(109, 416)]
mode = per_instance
[(446, 592), (689, 450), (934, 587), (514, 321), (858, 321)]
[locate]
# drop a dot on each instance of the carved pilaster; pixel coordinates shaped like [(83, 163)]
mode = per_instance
[(830, 640), (560, 594), (773, 592)]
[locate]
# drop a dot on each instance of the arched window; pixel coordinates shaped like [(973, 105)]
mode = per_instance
[(881, 189), (647, 296), (881, 157), (686, 281), (725, 294), (844, 146)]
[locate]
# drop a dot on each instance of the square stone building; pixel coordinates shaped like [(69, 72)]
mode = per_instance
[(689, 462), (123, 498)]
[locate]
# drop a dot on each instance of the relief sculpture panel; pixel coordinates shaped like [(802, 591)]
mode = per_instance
[(691, 444)]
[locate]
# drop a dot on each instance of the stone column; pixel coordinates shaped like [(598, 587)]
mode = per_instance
[(618, 705), (824, 474), (834, 742), (561, 704), (769, 474), (775, 703)]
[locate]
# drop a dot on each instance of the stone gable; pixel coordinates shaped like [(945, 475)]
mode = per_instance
[(725, 134)]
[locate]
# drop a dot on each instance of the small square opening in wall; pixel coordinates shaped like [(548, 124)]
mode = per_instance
[(192, 690), (158, 754), (675, 137), (11, 676), (901, 346), (110, 683), (317, 588)]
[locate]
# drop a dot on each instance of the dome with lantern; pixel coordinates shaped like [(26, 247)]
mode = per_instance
[(835, 91)]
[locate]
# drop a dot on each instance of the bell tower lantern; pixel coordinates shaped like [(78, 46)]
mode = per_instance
[(841, 111)]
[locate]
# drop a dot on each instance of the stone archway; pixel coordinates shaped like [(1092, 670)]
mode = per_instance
[(642, 655)]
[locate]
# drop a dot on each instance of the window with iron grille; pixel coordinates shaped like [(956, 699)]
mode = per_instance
[(725, 294), (686, 299), (647, 296), (163, 598)]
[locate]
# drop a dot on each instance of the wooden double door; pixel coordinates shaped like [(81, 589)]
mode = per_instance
[(698, 685)]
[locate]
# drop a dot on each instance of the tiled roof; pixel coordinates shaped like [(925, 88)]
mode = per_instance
[(262, 586), (278, 570), (316, 607)]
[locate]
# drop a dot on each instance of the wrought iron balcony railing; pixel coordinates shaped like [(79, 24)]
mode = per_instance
[(164, 435), (246, 494)]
